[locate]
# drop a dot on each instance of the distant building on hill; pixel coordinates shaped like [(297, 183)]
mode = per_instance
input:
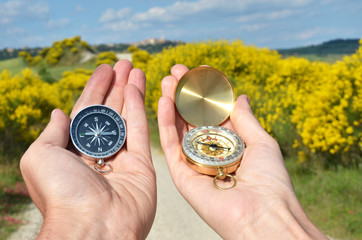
[(149, 41)]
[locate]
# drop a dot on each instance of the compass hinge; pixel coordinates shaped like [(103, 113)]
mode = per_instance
[(220, 173)]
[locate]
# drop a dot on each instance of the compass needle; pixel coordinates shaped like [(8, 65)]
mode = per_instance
[(94, 138), (93, 130), (102, 128)]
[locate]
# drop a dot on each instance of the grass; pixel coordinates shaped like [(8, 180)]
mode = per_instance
[(331, 198), (57, 71), (13, 194), (16, 65)]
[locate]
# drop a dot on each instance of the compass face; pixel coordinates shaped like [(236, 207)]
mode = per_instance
[(213, 146), (98, 131)]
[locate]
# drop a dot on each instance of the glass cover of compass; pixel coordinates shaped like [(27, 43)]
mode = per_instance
[(98, 131)]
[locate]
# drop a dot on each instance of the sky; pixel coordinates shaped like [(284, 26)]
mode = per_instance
[(275, 24)]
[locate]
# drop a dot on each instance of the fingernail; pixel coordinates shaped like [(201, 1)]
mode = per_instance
[(248, 99), (53, 114)]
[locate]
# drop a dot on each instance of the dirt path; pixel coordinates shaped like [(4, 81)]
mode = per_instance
[(175, 219)]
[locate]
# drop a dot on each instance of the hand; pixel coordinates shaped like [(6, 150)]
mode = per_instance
[(76, 201), (263, 204)]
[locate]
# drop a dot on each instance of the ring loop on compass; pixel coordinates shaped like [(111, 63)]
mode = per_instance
[(221, 175), (101, 164)]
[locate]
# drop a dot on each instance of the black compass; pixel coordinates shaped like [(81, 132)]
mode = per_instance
[(98, 131)]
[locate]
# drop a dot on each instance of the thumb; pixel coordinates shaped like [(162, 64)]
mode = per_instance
[(246, 124), (57, 131)]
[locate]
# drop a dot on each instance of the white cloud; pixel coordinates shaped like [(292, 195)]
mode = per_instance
[(15, 31), (39, 9), (267, 16), (14, 10), (202, 11), (121, 26), (4, 20), (31, 40), (79, 8), (281, 14), (308, 33), (110, 15), (60, 23), (254, 27), (330, 1)]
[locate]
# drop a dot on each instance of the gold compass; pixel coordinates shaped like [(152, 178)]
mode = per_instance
[(205, 98)]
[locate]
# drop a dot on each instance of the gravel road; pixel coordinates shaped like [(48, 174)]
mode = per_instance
[(175, 219)]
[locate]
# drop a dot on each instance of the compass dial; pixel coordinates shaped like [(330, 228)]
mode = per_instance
[(98, 131), (213, 146)]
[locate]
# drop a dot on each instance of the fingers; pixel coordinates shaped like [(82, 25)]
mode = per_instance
[(95, 89), (178, 71), (114, 97), (106, 86), (170, 124), (246, 124), (57, 131), (168, 87), (169, 83), (137, 127), (138, 78), (170, 141), (167, 127)]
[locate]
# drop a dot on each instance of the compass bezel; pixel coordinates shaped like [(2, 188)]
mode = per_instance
[(207, 164), (98, 110)]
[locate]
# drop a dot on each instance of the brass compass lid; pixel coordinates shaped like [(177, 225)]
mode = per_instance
[(204, 97)]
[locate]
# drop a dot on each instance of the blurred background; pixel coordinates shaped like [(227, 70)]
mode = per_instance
[(299, 61)]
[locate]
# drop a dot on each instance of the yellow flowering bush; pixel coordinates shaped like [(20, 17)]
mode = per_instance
[(60, 52), (28, 59), (26, 102), (329, 119), (70, 87), (106, 58), (311, 108), (140, 59)]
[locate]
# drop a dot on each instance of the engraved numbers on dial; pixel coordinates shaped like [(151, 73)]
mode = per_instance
[(98, 131)]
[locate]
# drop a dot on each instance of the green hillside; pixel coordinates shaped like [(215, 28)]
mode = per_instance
[(337, 46), (9, 53)]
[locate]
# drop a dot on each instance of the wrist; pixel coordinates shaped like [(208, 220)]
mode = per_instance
[(285, 220), (60, 224)]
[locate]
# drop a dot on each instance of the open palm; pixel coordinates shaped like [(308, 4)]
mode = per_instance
[(263, 190), (66, 188)]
